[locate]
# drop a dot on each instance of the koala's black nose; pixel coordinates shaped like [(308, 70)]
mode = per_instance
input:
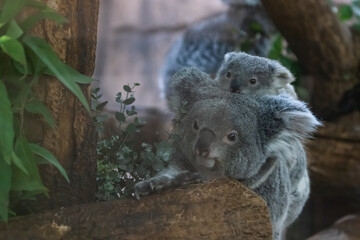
[(202, 146), (235, 86)]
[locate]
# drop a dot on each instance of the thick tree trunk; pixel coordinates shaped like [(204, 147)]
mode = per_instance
[(329, 52), (73, 142), (222, 209), (323, 45)]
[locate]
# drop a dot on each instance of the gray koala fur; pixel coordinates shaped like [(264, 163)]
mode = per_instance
[(257, 140), (204, 44), (247, 74)]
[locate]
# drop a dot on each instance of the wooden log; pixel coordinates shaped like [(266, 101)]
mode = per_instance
[(347, 227), (221, 209)]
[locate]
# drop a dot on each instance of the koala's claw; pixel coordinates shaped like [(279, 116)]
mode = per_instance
[(163, 182), (187, 177)]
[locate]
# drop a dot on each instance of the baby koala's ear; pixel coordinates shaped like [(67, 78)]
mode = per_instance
[(186, 85), (229, 56), (281, 75)]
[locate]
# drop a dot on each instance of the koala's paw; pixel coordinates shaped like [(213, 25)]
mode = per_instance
[(151, 185), (186, 177), (164, 182)]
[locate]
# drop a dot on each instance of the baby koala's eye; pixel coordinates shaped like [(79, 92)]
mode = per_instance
[(228, 75), (232, 137), (196, 126), (253, 81)]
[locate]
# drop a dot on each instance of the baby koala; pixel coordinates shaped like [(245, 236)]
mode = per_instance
[(246, 74)]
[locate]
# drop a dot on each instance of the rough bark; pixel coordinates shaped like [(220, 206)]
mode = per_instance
[(347, 227), (222, 209), (323, 45), (73, 141)]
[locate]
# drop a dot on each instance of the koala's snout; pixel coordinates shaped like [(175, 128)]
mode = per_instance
[(202, 146), (235, 86)]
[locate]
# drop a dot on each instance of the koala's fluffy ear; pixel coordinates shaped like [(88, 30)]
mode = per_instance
[(228, 56), (281, 75), (295, 118), (186, 86)]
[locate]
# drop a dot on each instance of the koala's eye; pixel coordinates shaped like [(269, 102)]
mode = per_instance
[(196, 126), (228, 75), (253, 81), (231, 137)]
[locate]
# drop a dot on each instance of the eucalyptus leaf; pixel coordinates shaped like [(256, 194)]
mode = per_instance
[(127, 88), (101, 106), (130, 129), (120, 117), (57, 67), (129, 101), (6, 125)]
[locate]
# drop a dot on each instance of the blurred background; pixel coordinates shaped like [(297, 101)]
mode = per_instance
[(134, 39)]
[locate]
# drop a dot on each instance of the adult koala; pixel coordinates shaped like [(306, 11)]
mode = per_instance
[(257, 140)]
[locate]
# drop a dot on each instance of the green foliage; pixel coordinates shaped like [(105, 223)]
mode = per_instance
[(350, 14), (119, 165), (282, 53), (23, 59)]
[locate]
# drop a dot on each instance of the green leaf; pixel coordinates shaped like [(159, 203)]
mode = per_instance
[(127, 88), (5, 185), (31, 21), (36, 4), (276, 48), (49, 157), (255, 26), (130, 129), (120, 117), (78, 77), (164, 150), (13, 48), (21, 181), (101, 105), (57, 67), (10, 10), (14, 31), (19, 163), (129, 101), (6, 125), (38, 107), (344, 12)]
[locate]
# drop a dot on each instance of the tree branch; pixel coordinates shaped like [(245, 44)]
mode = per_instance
[(222, 209)]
